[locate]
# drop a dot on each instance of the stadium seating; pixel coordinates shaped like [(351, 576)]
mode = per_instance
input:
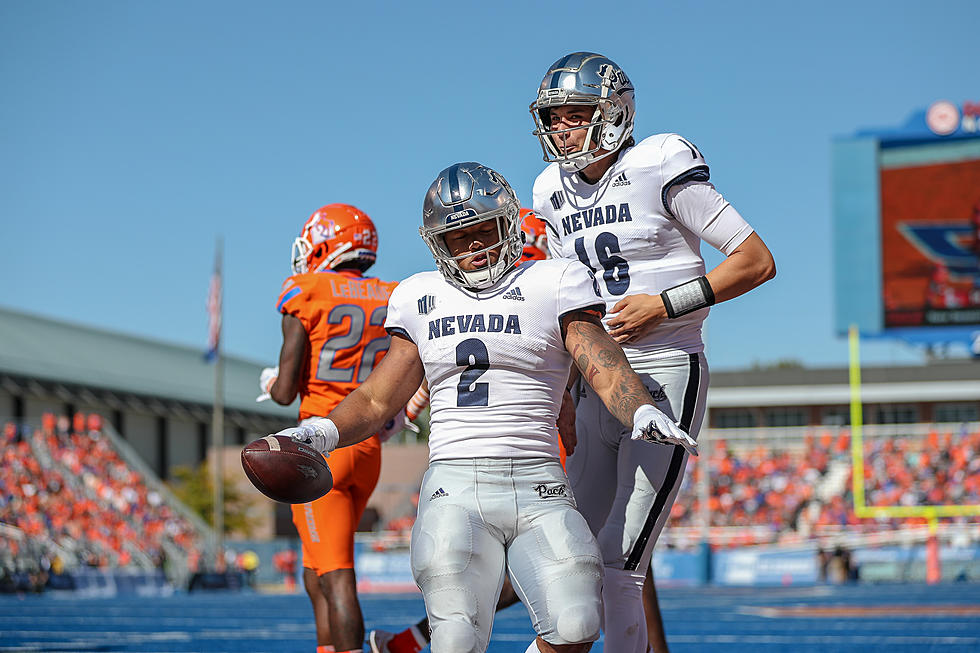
[(770, 492), (67, 499), (791, 486)]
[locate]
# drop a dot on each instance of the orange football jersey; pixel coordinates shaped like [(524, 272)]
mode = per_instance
[(344, 315)]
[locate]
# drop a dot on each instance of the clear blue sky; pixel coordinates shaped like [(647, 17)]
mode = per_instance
[(132, 134)]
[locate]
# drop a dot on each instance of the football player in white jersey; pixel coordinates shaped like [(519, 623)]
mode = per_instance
[(635, 213), (495, 342)]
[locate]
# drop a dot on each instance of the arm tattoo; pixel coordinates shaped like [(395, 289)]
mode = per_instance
[(588, 370), (605, 368)]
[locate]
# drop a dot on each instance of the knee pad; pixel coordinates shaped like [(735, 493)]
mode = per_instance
[(454, 637), (579, 623)]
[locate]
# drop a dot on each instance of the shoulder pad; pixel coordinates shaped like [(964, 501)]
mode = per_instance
[(290, 289), (682, 162)]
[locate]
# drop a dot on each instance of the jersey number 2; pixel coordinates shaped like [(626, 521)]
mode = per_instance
[(326, 369), (474, 355)]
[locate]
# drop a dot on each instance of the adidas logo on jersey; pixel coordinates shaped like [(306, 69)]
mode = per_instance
[(515, 293), (621, 180), (438, 494), (426, 304)]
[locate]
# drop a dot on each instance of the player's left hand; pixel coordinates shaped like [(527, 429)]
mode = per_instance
[(566, 423), (266, 379), (635, 316), (652, 425)]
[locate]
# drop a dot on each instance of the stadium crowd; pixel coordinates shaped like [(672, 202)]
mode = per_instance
[(68, 498), (766, 491), (770, 490)]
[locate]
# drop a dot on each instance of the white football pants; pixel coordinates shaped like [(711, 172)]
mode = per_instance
[(481, 518)]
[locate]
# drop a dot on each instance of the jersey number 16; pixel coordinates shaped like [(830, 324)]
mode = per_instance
[(615, 269)]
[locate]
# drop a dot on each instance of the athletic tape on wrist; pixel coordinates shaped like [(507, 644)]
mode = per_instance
[(688, 297), (326, 436)]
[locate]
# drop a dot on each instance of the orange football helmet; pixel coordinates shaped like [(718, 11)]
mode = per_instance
[(336, 234), (535, 236)]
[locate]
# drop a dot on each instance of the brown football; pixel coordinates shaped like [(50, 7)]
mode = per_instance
[(285, 470)]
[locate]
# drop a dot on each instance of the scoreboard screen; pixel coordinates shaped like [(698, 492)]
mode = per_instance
[(906, 205), (930, 237)]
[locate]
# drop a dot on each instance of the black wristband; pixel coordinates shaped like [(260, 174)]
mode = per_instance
[(688, 297)]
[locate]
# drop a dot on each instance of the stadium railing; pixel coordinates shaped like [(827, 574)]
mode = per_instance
[(181, 572)]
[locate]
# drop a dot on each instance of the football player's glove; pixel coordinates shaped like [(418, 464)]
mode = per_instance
[(396, 425), (266, 379), (318, 432), (652, 425)]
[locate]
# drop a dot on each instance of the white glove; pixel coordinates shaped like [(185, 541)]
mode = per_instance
[(396, 425), (318, 432), (266, 379), (652, 425)]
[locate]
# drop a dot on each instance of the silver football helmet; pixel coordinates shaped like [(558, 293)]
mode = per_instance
[(585, 78), (462, 195)]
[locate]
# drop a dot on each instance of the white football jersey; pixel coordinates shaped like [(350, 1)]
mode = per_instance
[(495, 359), (640, 229)]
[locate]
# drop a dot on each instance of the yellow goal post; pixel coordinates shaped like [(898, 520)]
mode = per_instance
[(930, 512)]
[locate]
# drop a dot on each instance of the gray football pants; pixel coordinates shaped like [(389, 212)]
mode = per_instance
[(625, 488)]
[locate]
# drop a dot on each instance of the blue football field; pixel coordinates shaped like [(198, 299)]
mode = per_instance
[(859, 618)]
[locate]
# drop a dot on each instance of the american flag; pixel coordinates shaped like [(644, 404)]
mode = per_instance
[(214, 309)]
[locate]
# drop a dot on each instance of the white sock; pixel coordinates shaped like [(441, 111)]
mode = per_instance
[(533, 648)]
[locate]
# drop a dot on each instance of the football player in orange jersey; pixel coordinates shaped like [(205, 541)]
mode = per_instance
[(333, 335), (535, 236)]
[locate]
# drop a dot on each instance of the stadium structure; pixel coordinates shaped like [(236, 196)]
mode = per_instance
[(804, 475), (777, 449)]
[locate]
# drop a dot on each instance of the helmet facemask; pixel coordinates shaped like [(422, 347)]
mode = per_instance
[(301, 250), (591, 80), (510, 246)]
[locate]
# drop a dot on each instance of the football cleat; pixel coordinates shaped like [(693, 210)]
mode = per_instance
[(379, 641)]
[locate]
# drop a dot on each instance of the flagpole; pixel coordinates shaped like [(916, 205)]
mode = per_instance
[(218, 425)]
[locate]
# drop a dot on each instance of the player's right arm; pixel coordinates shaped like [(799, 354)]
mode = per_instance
[(364, 411), (603, 365), (292, 355)]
